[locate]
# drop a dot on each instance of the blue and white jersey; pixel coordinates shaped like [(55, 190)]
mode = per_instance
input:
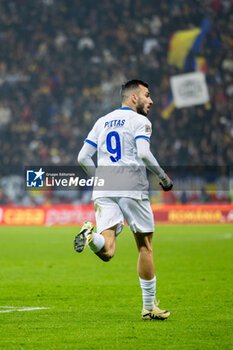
[(114, 136)]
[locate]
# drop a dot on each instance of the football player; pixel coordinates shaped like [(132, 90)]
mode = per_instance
[(122, 141)]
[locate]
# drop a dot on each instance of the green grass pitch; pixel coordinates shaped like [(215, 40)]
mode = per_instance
[(97, 305)]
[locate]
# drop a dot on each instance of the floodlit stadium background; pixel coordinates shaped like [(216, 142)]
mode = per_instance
[(61, 66)]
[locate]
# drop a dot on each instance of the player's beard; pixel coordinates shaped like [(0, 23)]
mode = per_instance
[(140, 108)]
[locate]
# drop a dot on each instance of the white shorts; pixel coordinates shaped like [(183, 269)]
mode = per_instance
[(111, 211)]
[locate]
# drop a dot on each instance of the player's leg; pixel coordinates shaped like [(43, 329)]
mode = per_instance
[(140, 219), (147, 277), (145, 266), (108, 250), (110, 221), (103, 245)]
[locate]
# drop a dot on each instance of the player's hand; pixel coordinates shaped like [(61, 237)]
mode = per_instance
[(166, 183)]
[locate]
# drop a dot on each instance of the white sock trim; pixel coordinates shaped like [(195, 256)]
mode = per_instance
[(97, 243)]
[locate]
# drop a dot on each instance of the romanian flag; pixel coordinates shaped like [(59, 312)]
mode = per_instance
[(183, 49), (199, 64), (180, 44), (168, 108), (184, 42)]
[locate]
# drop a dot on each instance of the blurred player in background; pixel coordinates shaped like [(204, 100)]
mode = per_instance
[(122, 138)]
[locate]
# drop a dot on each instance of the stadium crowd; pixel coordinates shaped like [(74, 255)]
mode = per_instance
[(62, 63)]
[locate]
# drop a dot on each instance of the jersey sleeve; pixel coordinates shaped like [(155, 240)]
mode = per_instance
[(92, 137), (143, 129)]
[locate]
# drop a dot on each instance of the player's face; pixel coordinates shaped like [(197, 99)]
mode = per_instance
[(144, 100)]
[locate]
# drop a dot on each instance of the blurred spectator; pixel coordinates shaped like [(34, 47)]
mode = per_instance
[(204, 197), (62, 64)]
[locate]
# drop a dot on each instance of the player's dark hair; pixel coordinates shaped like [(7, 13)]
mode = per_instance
[(131, 85)]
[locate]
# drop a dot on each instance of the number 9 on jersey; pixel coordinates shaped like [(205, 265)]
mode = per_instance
[(114, 146)]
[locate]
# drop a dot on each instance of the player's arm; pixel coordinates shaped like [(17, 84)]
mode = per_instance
[(85, 158), (88, 150), (143, 151)]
